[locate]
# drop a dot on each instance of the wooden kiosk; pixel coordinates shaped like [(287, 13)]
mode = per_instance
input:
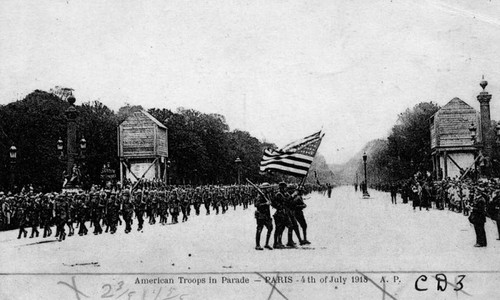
[(142, 147), (453, 150)]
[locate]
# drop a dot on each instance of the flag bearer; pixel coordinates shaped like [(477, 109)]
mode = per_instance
[(263, 216)]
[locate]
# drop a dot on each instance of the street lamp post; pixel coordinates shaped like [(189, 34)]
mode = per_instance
[(365, 191), (238, 166), (168, 171), (13, 157)]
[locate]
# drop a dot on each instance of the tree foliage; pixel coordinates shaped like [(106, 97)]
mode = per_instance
[(406, 150), (202, 148), (33, 125)]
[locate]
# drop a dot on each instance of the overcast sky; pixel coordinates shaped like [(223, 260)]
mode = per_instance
[(278, 69)]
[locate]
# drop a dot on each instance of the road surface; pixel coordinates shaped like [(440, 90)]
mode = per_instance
[(348, 234)]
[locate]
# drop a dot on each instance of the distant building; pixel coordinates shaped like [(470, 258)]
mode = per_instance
[(453, 149), (142, 147)]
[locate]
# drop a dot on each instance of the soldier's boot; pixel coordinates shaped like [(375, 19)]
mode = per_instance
[(305, 241), (25, 233), (141, 222), (268, 237), (34, 232), (276, 244), (297, 233), (290, 242), (257, 240)]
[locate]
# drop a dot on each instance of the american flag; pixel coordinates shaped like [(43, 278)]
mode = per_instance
[(293, 159)]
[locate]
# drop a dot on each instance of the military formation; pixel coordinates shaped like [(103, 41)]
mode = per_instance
[(478, 200), (105, 210), (288, 205)]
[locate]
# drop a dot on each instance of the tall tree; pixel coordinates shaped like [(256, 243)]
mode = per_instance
[(33, 125), (98, 124)]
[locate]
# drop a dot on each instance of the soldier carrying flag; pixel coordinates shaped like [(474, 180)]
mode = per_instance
[(293, 159)]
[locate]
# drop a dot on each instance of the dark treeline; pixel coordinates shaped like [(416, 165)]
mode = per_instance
[(406, 150), (202, 147)]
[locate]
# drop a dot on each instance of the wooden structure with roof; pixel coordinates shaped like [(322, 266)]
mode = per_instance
[(142, 147), (453, 150)]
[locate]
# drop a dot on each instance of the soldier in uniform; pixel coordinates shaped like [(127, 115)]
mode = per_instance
[(127, 210), (185, 204), (290, 207), (216, 200), (140, 207), (152, 206), (493, 207), (71, 215), (393, 190), (34, 215), (83, 212), (244, 199), (263, 216), (187, 201), (174, 210), (47, 214), (224, 200), (113, 212), (299, 206), (22, 218), (61, 217), (197, 200), (97, 212), (6, 209), (281, 218), (163, 208), (235, 200), (207, 196), (478, 217)]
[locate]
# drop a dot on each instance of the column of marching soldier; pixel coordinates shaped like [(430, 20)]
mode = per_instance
[(107, 208), (110, 208), (478, 200)]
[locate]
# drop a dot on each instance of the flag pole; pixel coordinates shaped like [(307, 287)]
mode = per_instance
[(315, 151), (259, 191)]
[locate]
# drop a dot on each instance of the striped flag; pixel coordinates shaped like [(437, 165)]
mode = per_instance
[(293, 159)]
